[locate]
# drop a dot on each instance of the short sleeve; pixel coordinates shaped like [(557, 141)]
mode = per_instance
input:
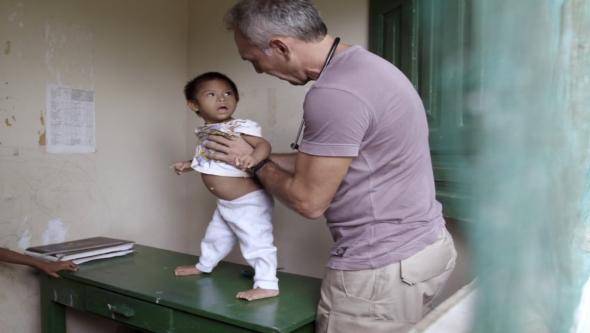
[(248, 127), (336, 123)]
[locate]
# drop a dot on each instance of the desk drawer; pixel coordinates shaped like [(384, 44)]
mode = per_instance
[(128, 310)]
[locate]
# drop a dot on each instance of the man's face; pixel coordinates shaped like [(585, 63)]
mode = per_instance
[(269, 62)]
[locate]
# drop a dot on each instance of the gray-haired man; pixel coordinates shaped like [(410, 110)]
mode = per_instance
[(364, 163)]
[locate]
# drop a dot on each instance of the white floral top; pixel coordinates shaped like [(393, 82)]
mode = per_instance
[(233, 127)]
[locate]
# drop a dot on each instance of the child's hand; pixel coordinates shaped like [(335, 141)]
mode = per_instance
[(245, 161), (180, 167), (51, 268)]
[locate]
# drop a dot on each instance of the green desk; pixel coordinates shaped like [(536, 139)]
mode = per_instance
[(141, 291)]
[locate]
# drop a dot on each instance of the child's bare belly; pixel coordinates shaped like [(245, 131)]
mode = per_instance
[(229, 188)]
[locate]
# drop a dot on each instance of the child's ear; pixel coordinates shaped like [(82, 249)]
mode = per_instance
[(193, 106)]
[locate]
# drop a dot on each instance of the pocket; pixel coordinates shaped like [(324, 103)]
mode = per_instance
[(349, 293), (359, 284), (430, 262)]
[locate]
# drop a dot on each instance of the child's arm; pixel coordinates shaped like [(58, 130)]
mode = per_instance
[(261, 151), (50, 268), (182, 167)]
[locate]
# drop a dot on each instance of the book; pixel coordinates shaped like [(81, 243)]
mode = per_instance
[(88, 249), (77, 245), (101, 256)]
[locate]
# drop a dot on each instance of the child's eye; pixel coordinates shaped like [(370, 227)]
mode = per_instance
[(210, 94), (229, 93)]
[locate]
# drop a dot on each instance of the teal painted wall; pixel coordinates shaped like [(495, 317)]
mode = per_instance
[(530, 232)]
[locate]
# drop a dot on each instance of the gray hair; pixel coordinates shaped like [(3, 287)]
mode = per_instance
[(261, 20)]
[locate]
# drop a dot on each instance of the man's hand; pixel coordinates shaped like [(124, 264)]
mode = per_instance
[(227, 150)]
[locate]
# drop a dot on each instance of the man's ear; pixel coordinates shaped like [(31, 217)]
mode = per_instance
[(279, 47)]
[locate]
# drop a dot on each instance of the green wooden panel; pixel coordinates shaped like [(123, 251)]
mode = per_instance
[(128, 310), (53, 315), (185, 323), (393, 33), (429, 40)]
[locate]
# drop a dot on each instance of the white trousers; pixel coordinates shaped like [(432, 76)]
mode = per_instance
[(248, 221)]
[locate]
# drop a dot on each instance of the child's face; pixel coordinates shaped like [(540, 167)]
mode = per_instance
[(215, 101)]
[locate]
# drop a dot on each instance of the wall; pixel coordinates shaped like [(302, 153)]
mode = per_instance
[(133, 54), (531, 172)]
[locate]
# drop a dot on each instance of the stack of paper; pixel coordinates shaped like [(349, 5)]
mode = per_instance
[(82, 250)]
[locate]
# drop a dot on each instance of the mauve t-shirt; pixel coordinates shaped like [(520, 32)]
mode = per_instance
[(385, 210)]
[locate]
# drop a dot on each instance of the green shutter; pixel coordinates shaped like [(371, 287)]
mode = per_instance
[(429, 41)]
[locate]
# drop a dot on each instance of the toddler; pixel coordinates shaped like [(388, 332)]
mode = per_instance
[(243, 213)]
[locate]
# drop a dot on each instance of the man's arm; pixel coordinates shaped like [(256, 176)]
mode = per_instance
[(305, 183), (309, 190), (227, 149), (285, 160)]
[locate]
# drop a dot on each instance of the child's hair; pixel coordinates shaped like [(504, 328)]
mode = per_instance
[(192, 87)]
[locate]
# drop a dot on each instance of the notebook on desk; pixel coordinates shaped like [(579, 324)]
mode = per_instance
[(83, 250)]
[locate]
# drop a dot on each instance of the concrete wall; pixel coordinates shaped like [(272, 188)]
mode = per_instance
[(133, 54)]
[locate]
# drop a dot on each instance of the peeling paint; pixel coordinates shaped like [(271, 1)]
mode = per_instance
[(55, 233), (24, 241), (7, 47), (42, 138), (42, 135), (69, 41)]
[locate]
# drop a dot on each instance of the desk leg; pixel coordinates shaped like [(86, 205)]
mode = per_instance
[(53, 315)]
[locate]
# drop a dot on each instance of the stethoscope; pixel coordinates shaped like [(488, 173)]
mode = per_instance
[(295, 144)]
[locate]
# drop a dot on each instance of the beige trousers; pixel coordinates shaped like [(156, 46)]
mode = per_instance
[(388, 299)]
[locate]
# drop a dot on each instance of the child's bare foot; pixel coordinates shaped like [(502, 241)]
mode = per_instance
[(186, 270), (257, 293)]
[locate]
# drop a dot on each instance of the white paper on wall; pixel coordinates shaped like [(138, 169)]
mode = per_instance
[(70, 120)]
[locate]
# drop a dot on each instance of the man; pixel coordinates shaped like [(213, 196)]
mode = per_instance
[(364, 163)]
